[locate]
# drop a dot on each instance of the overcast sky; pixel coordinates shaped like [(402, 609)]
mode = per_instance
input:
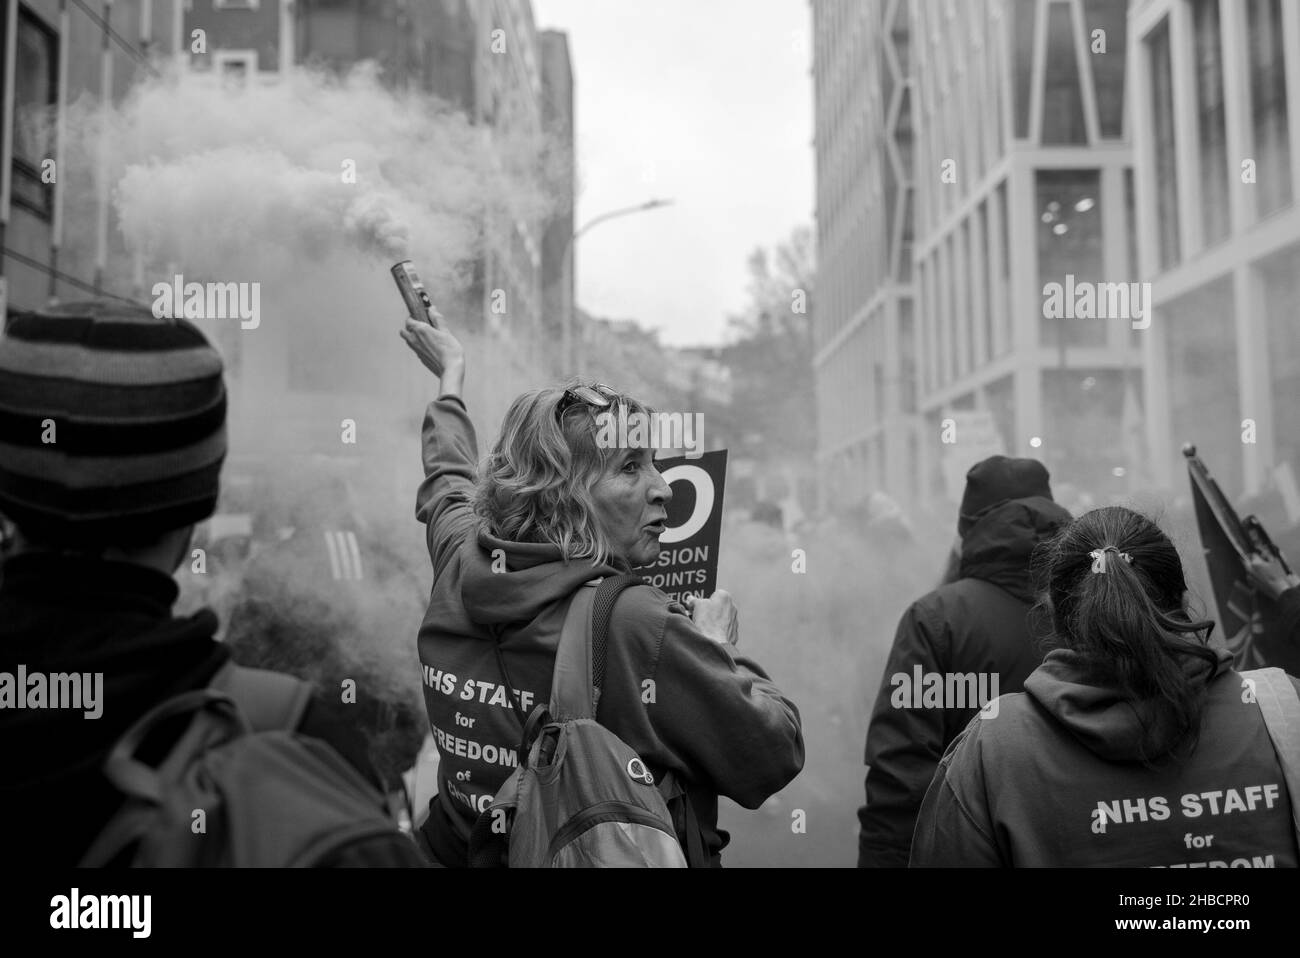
[(707, 103)]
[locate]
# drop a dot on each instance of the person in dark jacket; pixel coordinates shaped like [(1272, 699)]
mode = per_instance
[(112, 437), (549, 510), (1278, 640), (1134, 744), (955, 649)]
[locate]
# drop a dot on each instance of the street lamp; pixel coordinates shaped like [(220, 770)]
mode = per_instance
[(568, 319)]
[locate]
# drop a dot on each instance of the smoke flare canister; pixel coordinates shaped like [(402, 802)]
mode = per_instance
[(417, 300)]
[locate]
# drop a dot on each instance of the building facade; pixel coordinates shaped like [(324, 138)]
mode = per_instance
[(864, 334), (1024, 182), (996, 133), (1218, 168), (54, 53), (557, 239)]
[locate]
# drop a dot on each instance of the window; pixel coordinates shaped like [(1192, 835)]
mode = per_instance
[(1281, 279), (235, 67), (1166, 166), (1110, 16), (1211, 134), (1070, 243), (1202, 378), (1000, 401), (35, 98), (1062, 96), (1268, 105), (905, 252), (983, 283), (1003, 279), (907, 351), (966, 290), (1022, 73), (1130, 229)]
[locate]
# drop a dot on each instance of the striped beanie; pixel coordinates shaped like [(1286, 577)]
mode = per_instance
[(112, 424)]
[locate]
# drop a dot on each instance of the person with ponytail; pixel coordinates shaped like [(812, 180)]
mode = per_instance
[(511, 540), (1134, 744)]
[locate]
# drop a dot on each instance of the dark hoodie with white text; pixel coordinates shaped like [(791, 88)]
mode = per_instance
[(682, 701), (1055, 777)]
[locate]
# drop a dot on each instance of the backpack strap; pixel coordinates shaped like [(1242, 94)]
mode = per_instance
[(1277, 700), (580, 676), (584, 643), (673, 790), (271, 701)]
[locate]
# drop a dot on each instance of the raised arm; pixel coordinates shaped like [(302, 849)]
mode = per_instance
[(448, 446)]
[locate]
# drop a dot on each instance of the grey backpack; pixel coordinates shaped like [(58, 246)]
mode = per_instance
[(1280, 705), (581, 797), (238, 787)]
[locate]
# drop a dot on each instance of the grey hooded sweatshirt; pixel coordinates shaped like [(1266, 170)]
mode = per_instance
[(1053, 777)]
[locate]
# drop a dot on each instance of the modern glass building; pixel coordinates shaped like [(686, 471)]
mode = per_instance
[(997, 133), (1218, 166), (1024, 180), (864, 327)]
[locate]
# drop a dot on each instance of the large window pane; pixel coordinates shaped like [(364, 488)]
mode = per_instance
[(1201, 347), (905, 253), (986, 281), (1281, 278), (34, 95), (1108, 68), (1070, 244), (907, 355), (1212, 137), (1268, 105), (1130, 229), (1023, 69), (1062, 96), (1162, 113), (1003, 275)]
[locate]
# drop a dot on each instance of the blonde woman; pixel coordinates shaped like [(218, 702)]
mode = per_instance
[(511, 541)]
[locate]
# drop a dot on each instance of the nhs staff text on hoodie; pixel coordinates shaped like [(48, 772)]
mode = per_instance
[(1054, 780)]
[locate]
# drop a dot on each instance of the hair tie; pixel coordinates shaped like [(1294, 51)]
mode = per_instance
[(1099, 557)]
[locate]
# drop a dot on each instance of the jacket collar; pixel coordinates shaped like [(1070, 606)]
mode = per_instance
[(76, 579)]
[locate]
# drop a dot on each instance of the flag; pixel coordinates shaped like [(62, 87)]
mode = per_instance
[(1227, 549)]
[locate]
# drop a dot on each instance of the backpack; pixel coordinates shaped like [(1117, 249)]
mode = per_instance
[(1280, 705), (581, 797), (238, 788)]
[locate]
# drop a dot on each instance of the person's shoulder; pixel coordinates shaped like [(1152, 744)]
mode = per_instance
[(1007, 722), (644, 609)]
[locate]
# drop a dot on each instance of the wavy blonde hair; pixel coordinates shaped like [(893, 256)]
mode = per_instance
[(535, 485)]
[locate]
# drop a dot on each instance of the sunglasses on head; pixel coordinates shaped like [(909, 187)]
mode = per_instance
[(599, 395)]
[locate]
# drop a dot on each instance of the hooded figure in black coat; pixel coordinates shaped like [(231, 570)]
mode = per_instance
[(956, 648)]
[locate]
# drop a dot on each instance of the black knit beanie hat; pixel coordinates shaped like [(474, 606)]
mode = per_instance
[(995, 480)]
